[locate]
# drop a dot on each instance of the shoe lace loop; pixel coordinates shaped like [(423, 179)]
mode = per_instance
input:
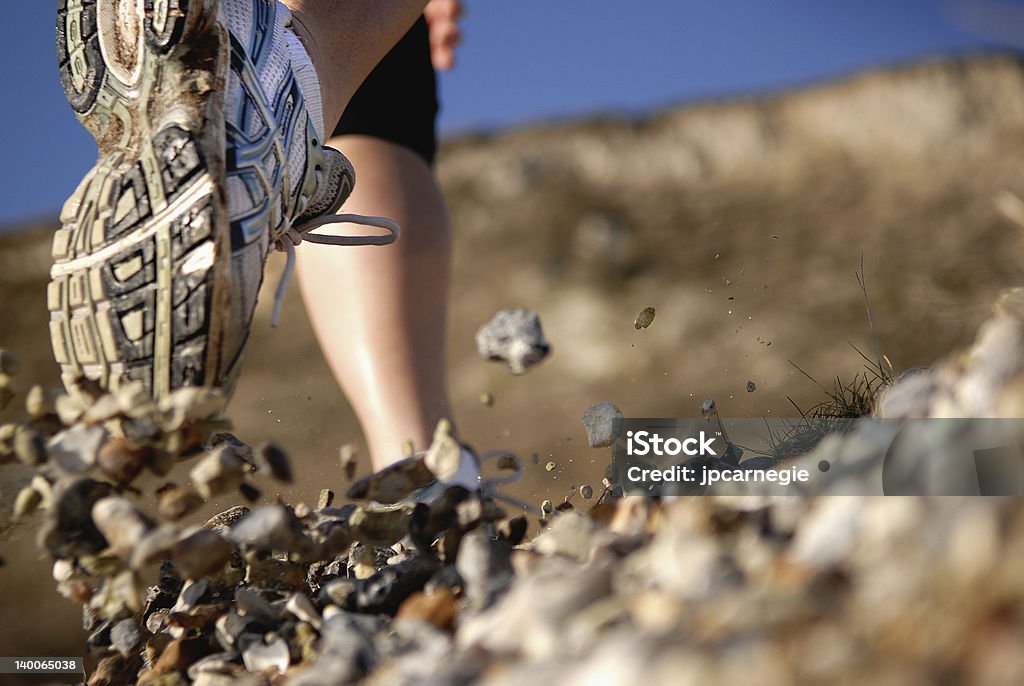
[(487, 484), (295, 235)]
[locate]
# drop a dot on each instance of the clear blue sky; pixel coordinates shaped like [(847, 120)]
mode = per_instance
[(525, 60)]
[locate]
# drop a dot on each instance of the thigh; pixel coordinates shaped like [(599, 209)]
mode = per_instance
[(398, 101)]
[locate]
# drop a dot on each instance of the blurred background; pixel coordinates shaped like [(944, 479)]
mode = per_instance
[(532, 60), (730, 164)]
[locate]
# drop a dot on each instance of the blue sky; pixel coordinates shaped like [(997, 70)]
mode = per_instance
[(527, 60)]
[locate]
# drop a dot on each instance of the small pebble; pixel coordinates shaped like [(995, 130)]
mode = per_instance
[(348, 455), (37, 404), (9, 363), (644, 319), (514, 337)]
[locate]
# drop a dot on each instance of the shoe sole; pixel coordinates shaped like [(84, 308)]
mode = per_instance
[(141, 263)]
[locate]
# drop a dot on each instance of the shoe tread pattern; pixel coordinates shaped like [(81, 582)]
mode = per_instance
[(132, 287)]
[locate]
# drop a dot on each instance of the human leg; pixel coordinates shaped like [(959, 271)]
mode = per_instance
[(379, 314), (202, 169)]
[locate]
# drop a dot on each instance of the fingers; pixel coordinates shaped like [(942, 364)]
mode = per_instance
[(442, 19)]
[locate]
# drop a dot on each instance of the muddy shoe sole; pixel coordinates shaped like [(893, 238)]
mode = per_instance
[(141, 264)]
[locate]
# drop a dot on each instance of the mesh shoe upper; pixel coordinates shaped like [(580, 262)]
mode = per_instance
[(274, 132)]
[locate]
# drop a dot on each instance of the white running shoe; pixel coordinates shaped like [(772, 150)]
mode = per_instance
[(210, 131)]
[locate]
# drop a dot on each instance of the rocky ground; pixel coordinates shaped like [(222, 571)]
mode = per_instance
[(410, 585), (742, 225)]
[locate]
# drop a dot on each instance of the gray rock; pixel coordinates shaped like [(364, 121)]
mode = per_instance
[(347, 653), (125, 636), (383, 592), (644, 319), (68, 530), (515, 337), (484, 566), (272, 459), (270, 528), (75, 450), (252, 605), (603, 422)]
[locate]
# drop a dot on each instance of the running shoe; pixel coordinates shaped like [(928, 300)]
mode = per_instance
[(210, 131)]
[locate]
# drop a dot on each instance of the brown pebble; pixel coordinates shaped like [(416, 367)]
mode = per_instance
[(176, 657), (114, 669), (174, 502), (436, 607), (121, 460)]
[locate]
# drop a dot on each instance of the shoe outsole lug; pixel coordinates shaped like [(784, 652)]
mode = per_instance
[(165, 23), (139, 280), (82, 69)]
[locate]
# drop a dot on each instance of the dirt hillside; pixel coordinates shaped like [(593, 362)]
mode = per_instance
[(742, 223)]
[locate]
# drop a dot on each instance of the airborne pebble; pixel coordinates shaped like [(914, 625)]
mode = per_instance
[(644, 319), (515, 337), (603, 423)]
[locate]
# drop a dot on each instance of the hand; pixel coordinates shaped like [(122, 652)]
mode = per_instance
[(442, 19)]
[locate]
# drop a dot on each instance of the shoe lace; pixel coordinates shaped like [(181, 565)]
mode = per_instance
[(295, 235), (487, 484)]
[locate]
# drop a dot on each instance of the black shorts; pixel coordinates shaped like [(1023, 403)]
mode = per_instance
[(398, 100)]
